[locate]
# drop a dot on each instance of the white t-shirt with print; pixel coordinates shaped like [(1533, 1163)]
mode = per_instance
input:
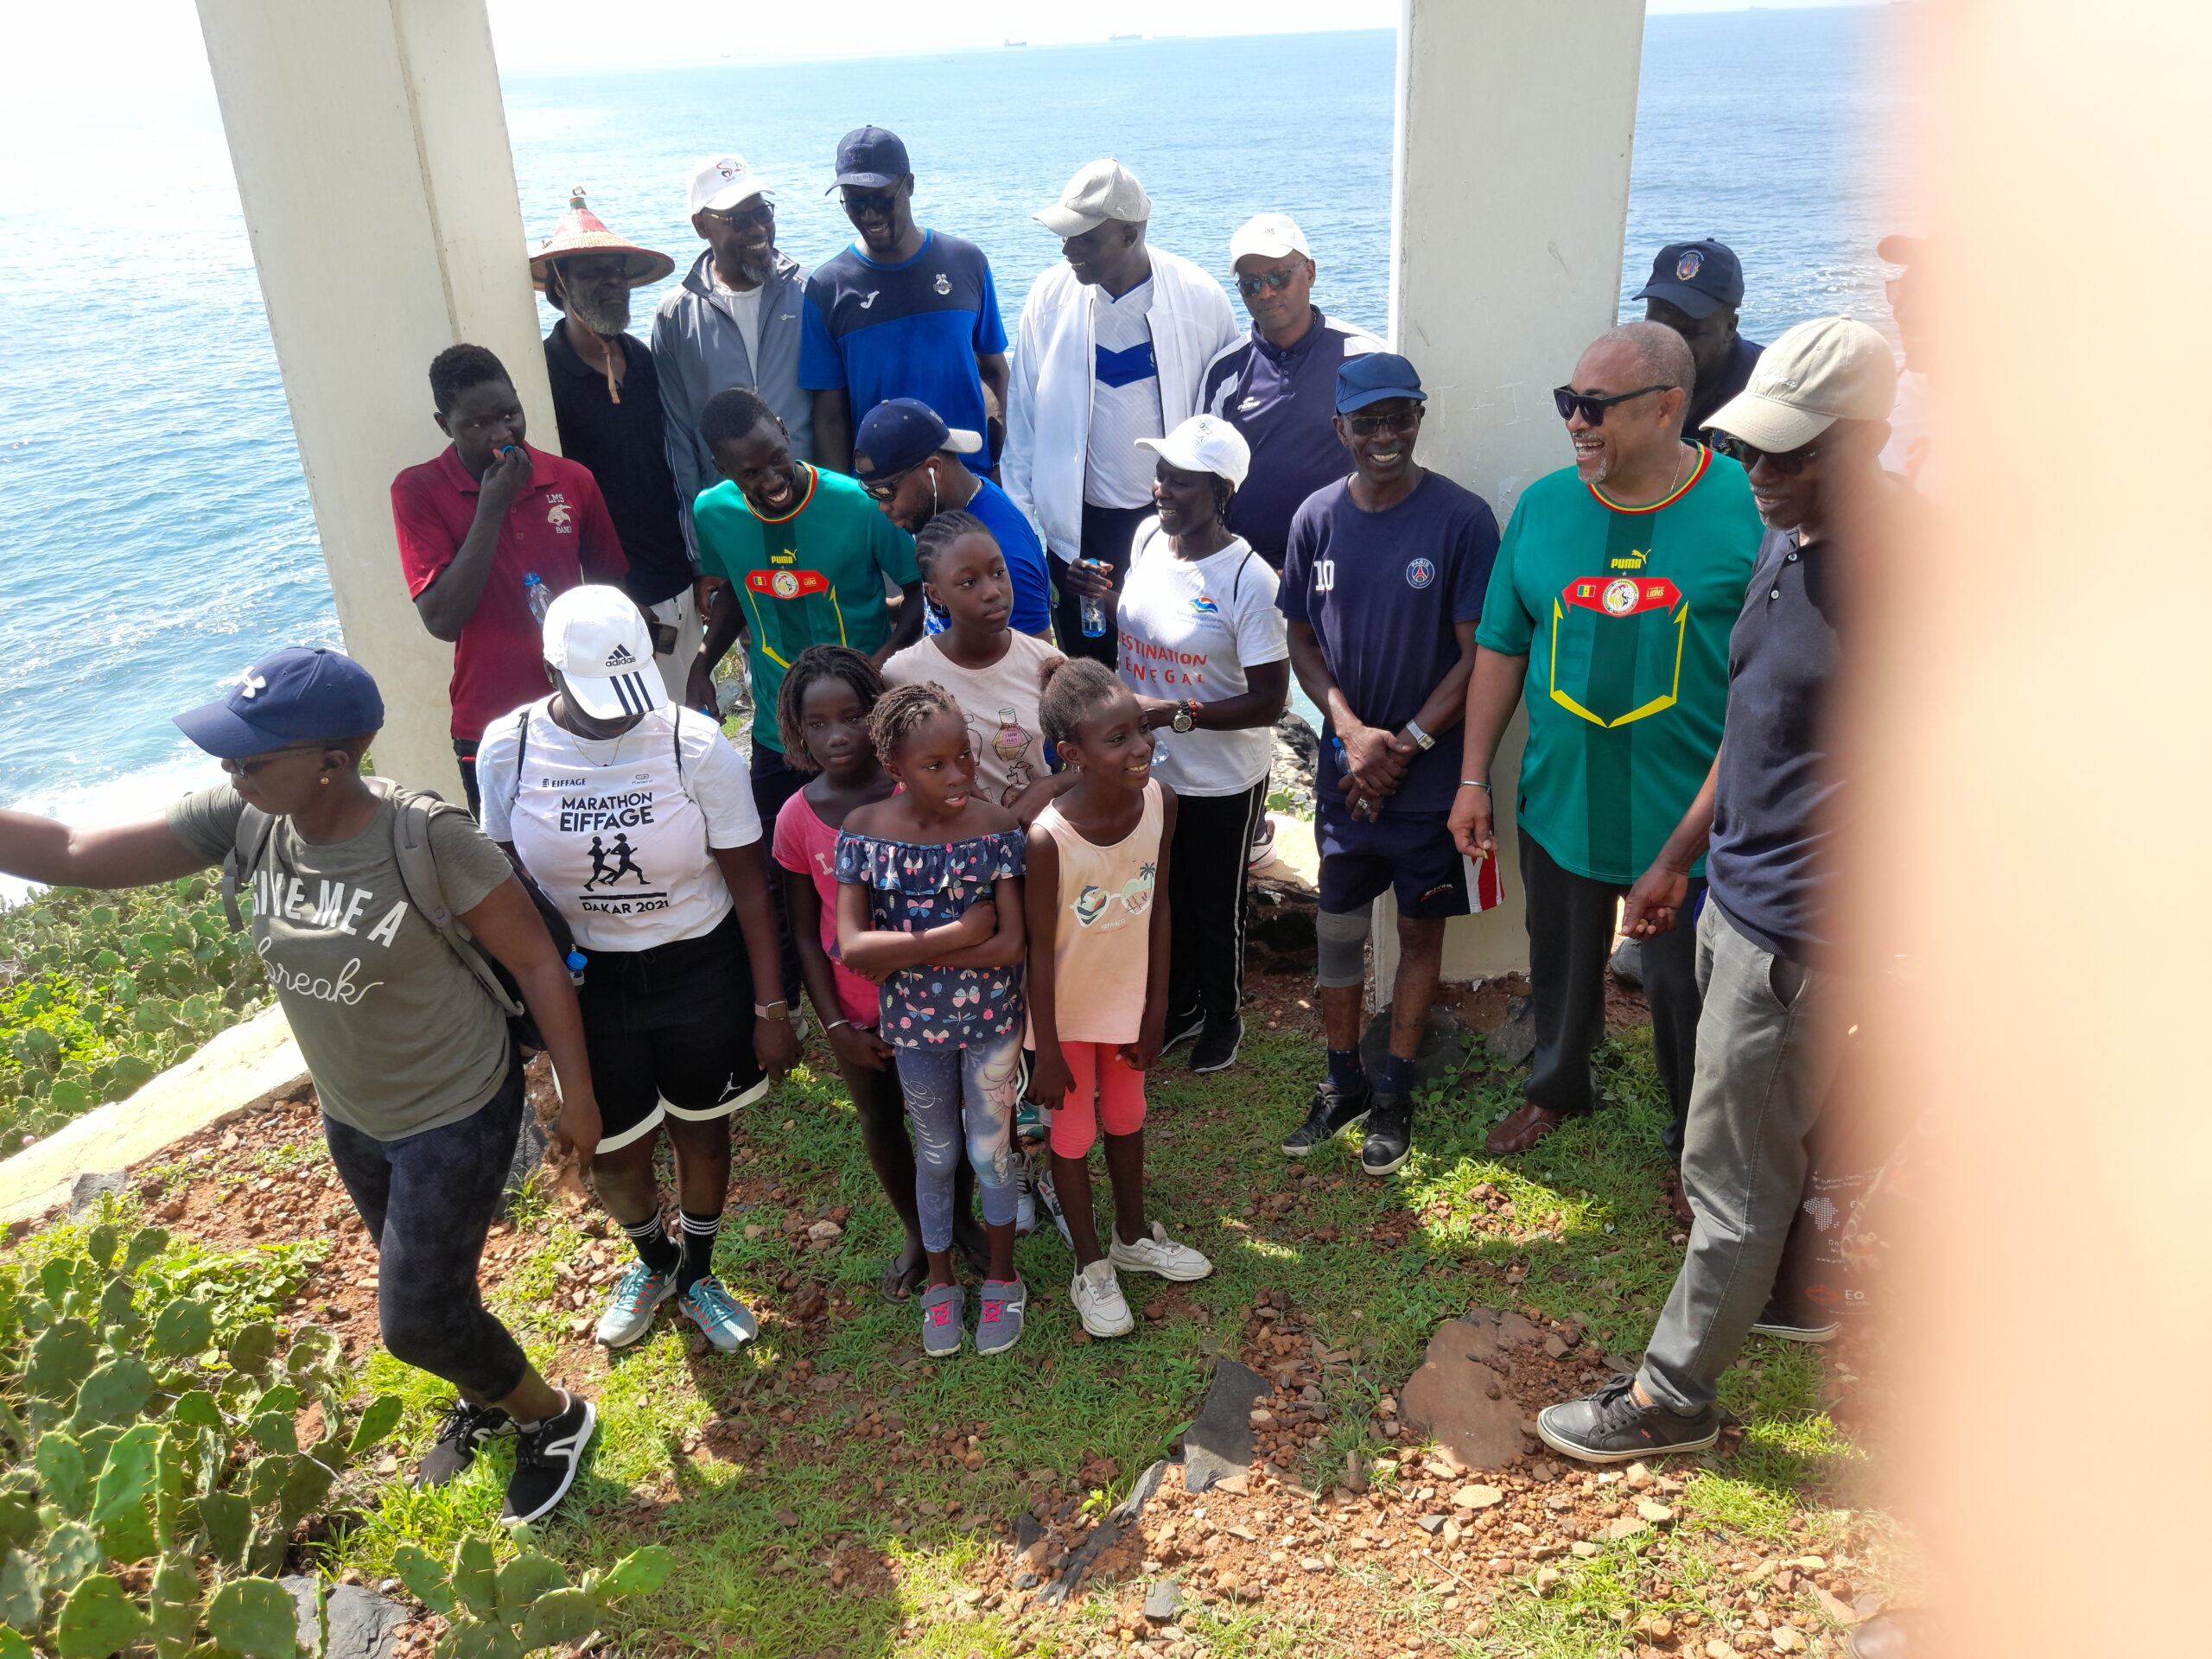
[(999, 701), (1190, 628), (1116, 474), (617, 832)]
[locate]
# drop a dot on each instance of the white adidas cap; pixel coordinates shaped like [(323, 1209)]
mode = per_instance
[(596, 637), (720, 182), (1205, 444)]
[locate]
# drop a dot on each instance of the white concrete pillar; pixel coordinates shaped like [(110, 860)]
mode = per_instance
[(1516, 124), (371, 148)]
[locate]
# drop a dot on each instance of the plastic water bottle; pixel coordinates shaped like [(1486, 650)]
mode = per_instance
[(1094, 616), (537, 595), (577, 960)]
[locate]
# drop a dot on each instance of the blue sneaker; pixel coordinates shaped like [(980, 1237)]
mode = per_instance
[(630, 1311), (942, 1329), (998, 1327), (726, 1321)]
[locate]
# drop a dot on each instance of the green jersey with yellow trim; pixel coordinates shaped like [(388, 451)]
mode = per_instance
[(812, 577), (1623, 614)]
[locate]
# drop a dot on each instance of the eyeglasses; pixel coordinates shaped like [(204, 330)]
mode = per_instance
[(1568, 400), (1789, 463), (884, 488), (764, 214), (876, 202), (1367, 426), (1274, 280), (247, 767)]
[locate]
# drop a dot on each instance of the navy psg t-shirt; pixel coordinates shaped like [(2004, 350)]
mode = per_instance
[(1382, 592)]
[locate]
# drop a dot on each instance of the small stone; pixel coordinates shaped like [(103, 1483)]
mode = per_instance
[(1546, 1578), (1656, 1514), (1431, 1524), (1026, 1581), (1583, 1548), (1554, 1347), (1261, 1417), (785, 1518), (1477, 1497), (1638, 1478), (1717, 1649), (1627, 1527), (1240, 1483), (1786, 1640), (1810, 1564), (1454, 1532), (1835, 1608), (755, 1229), (1314, 1564), (824, 1232), (1161, 1601)]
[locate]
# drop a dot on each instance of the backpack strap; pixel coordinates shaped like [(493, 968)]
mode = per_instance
[(522, 750), (418, 872), (248, 841)]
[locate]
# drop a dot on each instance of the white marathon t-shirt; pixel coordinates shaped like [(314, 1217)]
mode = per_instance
[(614, 831), (1190, 628)]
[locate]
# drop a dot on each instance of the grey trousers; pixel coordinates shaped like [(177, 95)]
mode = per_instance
[(1767, 1046)]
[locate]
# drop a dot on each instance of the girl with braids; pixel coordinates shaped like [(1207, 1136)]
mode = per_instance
[(1098, 999), (990, 670), (823, 709), (929, 905)]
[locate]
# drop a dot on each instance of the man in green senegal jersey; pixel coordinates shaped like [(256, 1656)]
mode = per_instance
[(1609, 610)]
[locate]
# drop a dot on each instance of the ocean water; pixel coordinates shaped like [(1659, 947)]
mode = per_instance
[(155, 533)]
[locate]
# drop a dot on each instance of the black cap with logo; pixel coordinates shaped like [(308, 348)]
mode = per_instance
[(1698, 277)]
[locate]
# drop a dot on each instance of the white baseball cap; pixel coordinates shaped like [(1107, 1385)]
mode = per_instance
[(720, 182), (1102, 190), (1270, 236), (596, 637), (1205, 444), (1815, 374)]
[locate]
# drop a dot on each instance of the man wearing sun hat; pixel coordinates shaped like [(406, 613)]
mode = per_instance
[(1809, 431), (606, 404), (1112, 347)]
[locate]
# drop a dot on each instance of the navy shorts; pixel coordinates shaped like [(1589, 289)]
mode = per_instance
[(1411, 852)]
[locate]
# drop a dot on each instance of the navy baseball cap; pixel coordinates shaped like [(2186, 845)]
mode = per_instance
[(902, 432), (1374, 377), (301, 694), (1699, 278), (871, 157)]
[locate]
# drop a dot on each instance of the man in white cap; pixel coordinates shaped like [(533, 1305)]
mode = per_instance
[(733, 321), (1808, 429), (1113, 344), (1277, 386)]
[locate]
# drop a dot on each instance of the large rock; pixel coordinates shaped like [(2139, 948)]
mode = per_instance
[(1219, 1444), (363, 1625), (1461, 1402)]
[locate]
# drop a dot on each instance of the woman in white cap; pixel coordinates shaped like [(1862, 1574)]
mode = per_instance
[(636, 817), (1204, 649)]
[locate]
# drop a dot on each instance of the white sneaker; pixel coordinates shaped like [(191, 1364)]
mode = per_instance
[(1025, 1199), (1178, 1263), (1097, 1296)]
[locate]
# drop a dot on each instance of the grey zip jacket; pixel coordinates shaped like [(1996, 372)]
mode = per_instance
[(700, 351)]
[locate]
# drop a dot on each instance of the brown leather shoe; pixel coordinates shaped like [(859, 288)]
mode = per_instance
[(1524, 1130), (1893, 1635), (1678, 1200)]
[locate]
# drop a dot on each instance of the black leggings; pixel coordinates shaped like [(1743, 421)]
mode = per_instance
[(1207, 865), (427, 1201)]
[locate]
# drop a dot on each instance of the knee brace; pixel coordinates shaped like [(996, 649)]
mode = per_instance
[(1342, 947)]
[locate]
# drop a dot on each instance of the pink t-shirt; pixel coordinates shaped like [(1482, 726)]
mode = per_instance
[(807, 845)]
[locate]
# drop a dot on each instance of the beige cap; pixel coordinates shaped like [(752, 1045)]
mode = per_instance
[(1828, 369), (1102, 190)]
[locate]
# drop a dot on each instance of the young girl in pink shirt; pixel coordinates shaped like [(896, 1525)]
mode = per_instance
[(1098, 914)]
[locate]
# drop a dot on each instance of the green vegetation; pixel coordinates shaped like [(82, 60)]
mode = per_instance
[(99, 991)]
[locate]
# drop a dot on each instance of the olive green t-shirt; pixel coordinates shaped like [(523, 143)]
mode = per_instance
[(398, 1034)]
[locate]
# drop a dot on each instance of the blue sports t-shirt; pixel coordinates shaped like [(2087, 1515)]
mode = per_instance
[(910, 330), (1382, 593)]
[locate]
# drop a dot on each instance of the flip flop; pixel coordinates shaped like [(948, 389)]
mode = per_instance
[(896, 1286)]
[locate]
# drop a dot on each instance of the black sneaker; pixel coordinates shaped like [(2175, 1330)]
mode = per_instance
[(462, 1429), (545, 1461), (1182, 1027), (1612, 1426), (1389, 1132), (1216, 1049), (1777, 1321), (1330, 1115)]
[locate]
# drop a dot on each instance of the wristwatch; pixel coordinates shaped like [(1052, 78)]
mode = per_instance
[(1186, 716), (1419, 736), (776, 1010)]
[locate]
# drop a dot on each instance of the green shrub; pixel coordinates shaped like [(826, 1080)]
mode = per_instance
[(99, 991)]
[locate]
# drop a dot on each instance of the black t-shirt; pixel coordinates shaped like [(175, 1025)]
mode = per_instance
[(1715, 391), (622, 444)]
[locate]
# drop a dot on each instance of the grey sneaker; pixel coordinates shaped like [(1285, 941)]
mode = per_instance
[(630, 1310), (998, 1327), (1182, 1030), (1627, 962), (945, 1325), (726, 1321)]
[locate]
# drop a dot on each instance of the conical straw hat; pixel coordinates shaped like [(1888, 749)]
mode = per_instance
[(581, 232)]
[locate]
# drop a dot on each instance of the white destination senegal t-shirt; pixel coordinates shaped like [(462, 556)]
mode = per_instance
[(1191, 628), (616, 833)]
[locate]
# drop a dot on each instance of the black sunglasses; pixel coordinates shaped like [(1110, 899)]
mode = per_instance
[(1568, 400), (877, 202), (1368, 425), (884, 488), (1274, 280), (1788, 462), (764, 214)]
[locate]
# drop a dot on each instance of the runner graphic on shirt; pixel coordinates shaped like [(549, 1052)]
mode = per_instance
[(603, 875)]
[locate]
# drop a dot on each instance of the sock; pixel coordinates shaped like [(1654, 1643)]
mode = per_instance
[(655, 1248), (1345, 1070), (1396, 1075), (699, 1235), (566, 1400)]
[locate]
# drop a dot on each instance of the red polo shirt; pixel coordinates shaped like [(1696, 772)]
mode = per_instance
[(558, 527)]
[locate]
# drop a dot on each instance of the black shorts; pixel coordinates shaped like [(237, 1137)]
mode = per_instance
[(669, 1033), (1411, 852)]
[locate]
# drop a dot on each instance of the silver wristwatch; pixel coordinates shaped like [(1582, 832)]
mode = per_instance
[(1414, 732)]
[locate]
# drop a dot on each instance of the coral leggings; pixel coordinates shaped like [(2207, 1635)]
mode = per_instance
[(1120, 1089)]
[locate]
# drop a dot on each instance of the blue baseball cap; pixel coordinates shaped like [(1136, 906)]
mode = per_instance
[(903, 432), (873, 158), (1375, 376), (300, 694), (1698, 277)]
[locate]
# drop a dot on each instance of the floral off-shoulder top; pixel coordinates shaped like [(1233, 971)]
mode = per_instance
[(914, 887)]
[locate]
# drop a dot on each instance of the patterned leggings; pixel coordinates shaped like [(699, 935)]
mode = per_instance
[(948, 1089)]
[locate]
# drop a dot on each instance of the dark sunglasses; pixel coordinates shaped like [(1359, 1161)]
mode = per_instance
[(884, 488), (764, 214), (1367, 426), (1789, 463), (1568, 400), (248, 766), (877, 202), (1274, 280)]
